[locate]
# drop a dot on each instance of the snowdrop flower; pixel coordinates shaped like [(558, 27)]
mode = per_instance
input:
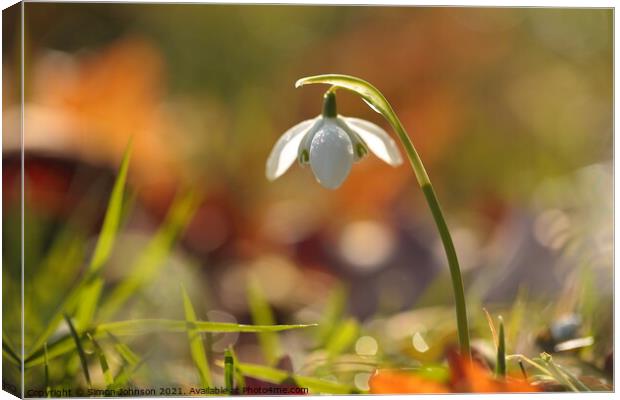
[(330, 143)]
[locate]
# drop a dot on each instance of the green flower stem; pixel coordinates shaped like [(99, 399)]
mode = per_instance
[(444, 233), (375, 99)]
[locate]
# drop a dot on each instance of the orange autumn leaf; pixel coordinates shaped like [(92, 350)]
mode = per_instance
[(472, 376), (87, 105), (465, 377), (394, 382)]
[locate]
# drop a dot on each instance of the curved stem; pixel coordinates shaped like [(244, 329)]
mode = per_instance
[(444, 233), (375, 99)]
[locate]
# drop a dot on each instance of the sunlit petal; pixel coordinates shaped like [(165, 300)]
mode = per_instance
[(284, 152), (377, 140), (360, 149), (331, 155), (303, 153)]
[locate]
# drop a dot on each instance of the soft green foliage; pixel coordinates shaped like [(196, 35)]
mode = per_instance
[(149, 263), (131, 363), (103, 361), (196, 345), (112, 218), (103, 248), (332, 314), (125, 352), (344, 336), (263, 315), (8, 350), (87, 307)]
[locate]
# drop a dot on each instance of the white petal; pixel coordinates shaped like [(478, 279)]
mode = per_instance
[(331, 156), (284, 152), (356, 140), (377, 140)]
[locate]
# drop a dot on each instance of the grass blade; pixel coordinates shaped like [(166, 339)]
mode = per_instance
[(491, 326), (80, 349), (148, 264), (229, 367), (124, 375), (500, 366), (131, 363), (195, 343), (87, 306), (103, 248), (263, 315), (143, 326), (332, 314), (533, 363), (105, 368), (47, 372), (238, 374), (562, 376), (111, 222), (343, 337), (138, 327), (517, 313), (10, 354), (580, 385), (124, 351)]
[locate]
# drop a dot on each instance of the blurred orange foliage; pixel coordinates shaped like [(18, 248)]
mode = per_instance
[(465, 377)]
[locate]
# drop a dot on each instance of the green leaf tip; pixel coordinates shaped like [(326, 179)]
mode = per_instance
[(500, 367)]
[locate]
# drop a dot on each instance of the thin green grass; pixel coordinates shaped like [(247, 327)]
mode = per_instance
[(46, 371), (263, 315), (148, 264), (124, 351), (332, 314), (196, 345), (561, 375), (102, 252), (343, 338), (7, 350), (229, 368), (103, 361), (138, 327), (87, 306), (239, 378), (500, 363), (80, 350), (111, 222)]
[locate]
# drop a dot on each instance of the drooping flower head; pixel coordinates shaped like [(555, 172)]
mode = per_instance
[(330, 144)]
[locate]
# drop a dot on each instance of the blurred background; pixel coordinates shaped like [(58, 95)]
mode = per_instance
[(510, 109)]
